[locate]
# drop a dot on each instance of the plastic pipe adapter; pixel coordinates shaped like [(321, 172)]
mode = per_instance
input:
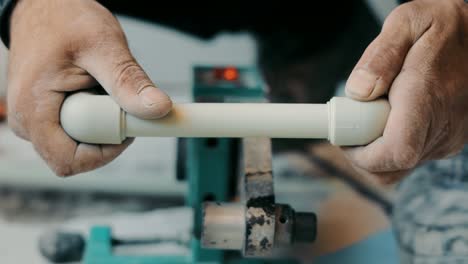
[(97, 119)]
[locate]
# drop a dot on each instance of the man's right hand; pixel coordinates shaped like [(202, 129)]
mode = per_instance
[(59, 47)]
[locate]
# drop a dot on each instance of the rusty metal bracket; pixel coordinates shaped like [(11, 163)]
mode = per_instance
[(257, 225), (259, 197)]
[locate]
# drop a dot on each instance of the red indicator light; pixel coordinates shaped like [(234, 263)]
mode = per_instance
[(231, 74), (227, 74)]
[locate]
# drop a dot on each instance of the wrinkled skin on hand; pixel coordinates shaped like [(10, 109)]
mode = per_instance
[(420, 60), (59, 47)]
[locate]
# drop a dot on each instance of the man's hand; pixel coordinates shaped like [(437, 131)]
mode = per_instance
[(420, 60), (64, 46)]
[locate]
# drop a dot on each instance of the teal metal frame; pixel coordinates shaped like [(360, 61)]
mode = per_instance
[(99, 250), (210, 168)]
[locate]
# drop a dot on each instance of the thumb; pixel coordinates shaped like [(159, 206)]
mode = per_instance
[(126, 82), (383, 59)]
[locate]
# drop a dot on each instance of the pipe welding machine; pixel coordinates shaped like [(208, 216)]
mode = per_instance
[(225, 155)]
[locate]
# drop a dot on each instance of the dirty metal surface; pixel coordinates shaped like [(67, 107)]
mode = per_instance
[(284, 227), (259, 197)]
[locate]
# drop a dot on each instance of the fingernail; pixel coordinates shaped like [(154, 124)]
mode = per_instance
[(152, 96), (361, 83)]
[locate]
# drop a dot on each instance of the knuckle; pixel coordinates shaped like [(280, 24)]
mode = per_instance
[(362, 160), (62, 171), (383, 59), (124, 69), (412, 16), (59, 163), (448, 20), (399, 15), (17, 125), (56, 164), (382, 181), (405, 158), (388, 179), (391, 51), (129, 74)]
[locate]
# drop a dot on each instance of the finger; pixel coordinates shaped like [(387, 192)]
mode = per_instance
[(375, 72), (67, 157), (63, 155), (402, 145), (122, 77), (384, 179), (22, 101), (89, 157)]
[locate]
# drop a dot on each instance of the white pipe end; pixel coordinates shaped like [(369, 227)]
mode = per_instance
[(353, 123), (93, 119)]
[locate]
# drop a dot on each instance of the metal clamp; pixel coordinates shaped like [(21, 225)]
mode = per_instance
[(257, 225)]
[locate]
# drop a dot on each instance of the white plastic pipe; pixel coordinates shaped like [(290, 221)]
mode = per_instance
[(97, 119), (235, 120)]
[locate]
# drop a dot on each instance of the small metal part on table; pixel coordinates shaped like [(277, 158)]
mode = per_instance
[(61, 247)]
